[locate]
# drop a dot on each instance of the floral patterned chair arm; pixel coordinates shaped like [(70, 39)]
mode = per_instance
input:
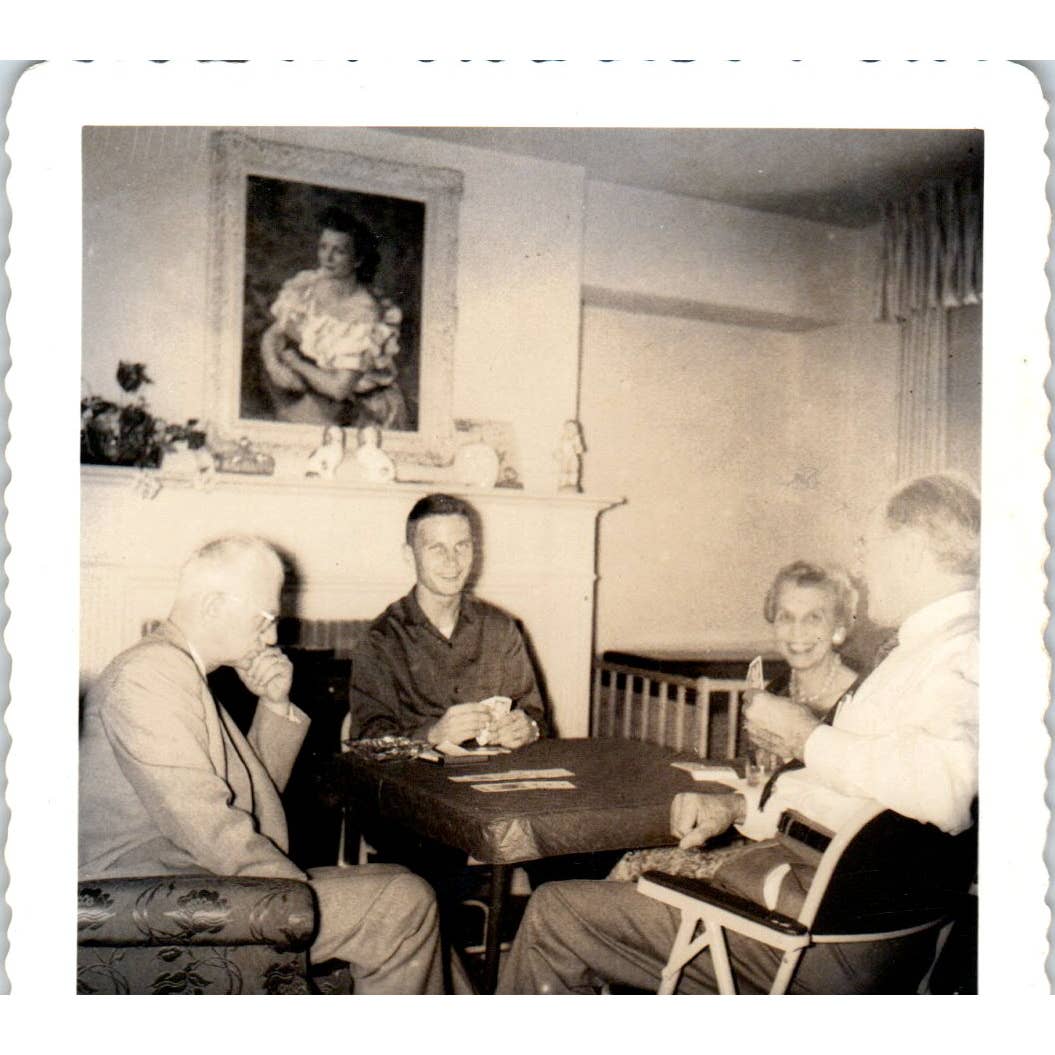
[(196, 910), (194, 934)]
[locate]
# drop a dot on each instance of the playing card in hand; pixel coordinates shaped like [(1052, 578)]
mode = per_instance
[(755, 677), (499, 707)]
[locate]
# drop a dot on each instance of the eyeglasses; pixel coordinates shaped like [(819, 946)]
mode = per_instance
[(267, 619)]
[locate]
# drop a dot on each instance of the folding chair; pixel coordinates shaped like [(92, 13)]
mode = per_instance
[(880, 877)]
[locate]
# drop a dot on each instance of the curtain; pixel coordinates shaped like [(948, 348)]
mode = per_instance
[(931, 263), (932, 251), (923, 393)]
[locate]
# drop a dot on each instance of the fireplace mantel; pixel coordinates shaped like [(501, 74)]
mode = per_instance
[(345, 546)]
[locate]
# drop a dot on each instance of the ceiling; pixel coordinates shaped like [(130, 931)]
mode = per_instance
[(835, 176)]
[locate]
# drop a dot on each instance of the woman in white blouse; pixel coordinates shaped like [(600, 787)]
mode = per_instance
[(331, 353)]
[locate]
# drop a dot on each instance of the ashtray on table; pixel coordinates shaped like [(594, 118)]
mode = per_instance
[(387, 748)]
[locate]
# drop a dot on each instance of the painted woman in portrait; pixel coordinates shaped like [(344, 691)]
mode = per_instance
[(331, 353)]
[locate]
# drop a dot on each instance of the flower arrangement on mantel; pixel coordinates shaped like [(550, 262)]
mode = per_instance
[(129, 434)]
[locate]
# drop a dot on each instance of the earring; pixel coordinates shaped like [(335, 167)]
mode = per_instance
[(838, 637)]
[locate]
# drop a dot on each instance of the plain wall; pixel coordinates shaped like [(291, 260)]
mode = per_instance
[(739, 447), (684, 418), (738, 260), (739, 450)]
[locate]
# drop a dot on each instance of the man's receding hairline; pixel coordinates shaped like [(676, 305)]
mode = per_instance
[(230, 557), (943, 510)]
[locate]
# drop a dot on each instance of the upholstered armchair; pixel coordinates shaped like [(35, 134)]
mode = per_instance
[(194, 934), (221, 934)]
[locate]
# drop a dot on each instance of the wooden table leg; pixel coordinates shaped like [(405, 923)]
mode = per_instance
[(500, 877)]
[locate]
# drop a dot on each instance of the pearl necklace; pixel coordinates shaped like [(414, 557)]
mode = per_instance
[(798, 697)]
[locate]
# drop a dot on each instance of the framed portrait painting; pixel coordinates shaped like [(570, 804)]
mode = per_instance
[(332, 285)]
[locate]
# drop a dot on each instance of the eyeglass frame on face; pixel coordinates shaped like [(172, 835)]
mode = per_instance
[(860, 551), (269, 618)]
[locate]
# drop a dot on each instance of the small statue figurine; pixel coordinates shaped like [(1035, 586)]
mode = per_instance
[(374, 465), (325, 460), (204, 469), (570, 455), (243, 459), (147, 485)]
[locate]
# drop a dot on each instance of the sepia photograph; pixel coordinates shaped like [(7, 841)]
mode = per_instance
[(773, 285), (694, 708)]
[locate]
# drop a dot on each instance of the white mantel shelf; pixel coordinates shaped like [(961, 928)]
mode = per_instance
[(345, 543), (303, 487)]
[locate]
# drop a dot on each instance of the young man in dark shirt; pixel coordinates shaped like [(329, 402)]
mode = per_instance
[(426, 669), (432, 659)]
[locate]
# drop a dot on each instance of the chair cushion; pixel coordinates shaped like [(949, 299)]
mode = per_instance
[(745, 874)]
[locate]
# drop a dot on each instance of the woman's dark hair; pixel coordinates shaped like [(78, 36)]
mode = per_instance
[(828, 577), (334, 218)]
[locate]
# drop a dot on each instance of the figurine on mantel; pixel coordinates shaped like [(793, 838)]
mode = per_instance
[(243, 459), (572, 448), (204, 469), (374, 465), (187, 454), (324, 461), (147, 485)]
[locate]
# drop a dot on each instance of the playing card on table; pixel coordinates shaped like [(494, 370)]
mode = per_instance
[(457, 751), (513, 774), (712, 773), (527, 785), (755, 677)]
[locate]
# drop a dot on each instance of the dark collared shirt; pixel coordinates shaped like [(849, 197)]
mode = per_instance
[(406, 673)]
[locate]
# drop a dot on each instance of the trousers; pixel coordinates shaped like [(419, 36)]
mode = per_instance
[(381, 920), (577, 935)]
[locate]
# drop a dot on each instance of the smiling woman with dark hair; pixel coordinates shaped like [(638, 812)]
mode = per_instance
[(330, 354)]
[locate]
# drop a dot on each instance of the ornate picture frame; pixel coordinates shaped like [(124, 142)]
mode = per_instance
[(268, 203)]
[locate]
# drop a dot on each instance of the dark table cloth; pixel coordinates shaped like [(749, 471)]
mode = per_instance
[(621, 800)]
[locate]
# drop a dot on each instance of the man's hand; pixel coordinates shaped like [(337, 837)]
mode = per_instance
[(777, 724), (268, 675), (459, 723), (695, 817), (515, 730)]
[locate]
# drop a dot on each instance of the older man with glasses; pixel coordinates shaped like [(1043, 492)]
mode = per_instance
[(170, 785)]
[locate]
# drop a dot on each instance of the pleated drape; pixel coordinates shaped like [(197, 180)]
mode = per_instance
[(923, 391), (932, 251), (931, 263)]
